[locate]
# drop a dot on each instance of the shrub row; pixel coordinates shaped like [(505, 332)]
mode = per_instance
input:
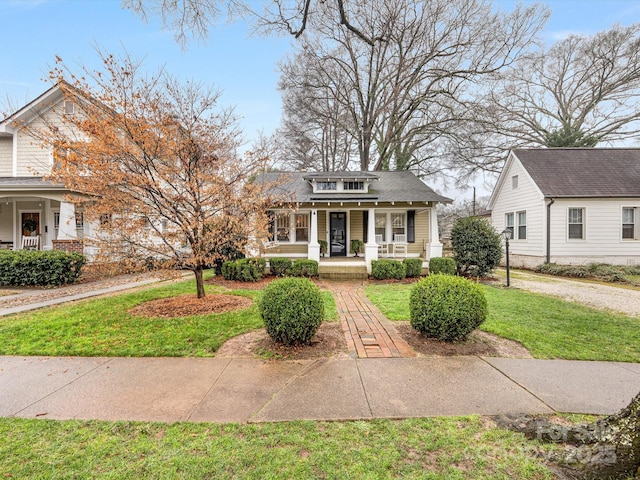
[(39, 268), (387, 268), (244, 270), (285, 267), (292, 310), (602, 271)]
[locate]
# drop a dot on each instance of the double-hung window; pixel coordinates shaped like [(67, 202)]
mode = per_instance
[(398, 224), (302, 227), (522, 225), (629, 221), (381, 224), (281, 223), (576, 223), (509, 223)]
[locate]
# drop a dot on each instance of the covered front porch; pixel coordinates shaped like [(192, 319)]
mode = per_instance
[(332, 235)]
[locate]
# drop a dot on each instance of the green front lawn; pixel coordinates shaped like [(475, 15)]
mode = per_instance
[(547, 326), (430, 448), (102, 327)]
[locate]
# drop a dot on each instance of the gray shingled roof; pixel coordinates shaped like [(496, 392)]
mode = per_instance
[(27, 182), (583, 172), (400, 186)]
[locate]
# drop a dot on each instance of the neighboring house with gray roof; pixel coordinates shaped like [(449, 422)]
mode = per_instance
[(393, 213), (570, 205), (26, 199)]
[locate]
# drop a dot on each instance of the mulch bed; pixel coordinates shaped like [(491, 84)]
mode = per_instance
[(188, 304)]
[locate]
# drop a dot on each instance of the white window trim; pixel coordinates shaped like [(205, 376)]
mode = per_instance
[(584, 224), (512, 227), (518, 225), (636, 226)]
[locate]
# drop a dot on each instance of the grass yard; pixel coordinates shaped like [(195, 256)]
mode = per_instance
[(547, 326), (430, 448), (102, 327)]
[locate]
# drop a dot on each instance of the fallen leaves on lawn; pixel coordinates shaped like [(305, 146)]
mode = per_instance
[(189, 304)]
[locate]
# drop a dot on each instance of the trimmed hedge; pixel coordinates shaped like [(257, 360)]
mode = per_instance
[(412, 267), (304, 268), (447, 308), (39, 268), (245, 269), (444, 265), (292, 310), (387, 268), (280, 266)]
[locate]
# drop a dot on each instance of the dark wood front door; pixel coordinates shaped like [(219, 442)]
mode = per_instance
[(338, 237), (33, 219)]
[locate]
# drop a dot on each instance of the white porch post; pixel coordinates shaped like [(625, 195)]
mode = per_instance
[(434, 248), (67, 222), (313, 249), (371, 247)]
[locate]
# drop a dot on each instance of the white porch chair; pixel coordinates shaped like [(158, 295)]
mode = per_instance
[(30, 243), (400, 244), (269, 244), (383, 248)]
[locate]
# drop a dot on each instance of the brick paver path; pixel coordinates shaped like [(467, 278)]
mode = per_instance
[(369, 334)]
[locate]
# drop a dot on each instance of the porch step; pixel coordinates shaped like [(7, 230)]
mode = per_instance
[(343, 272)]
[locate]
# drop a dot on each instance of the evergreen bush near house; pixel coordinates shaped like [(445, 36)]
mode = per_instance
[(357, 246), (304, 268), (39, 268), (323, 246), (446, 307), (476, 246), (244, 270), (444, 265), (280, 266), (387, 268), (412, 267), (292, 310)]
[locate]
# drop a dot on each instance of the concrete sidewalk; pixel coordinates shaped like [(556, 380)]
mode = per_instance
[(252, 390)]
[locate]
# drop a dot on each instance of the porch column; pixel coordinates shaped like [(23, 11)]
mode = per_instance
[(434, 248), (313, 249), (67, 222), (371, 247)]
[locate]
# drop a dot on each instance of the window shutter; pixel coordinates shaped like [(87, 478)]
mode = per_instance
[(271, 222), (365, 226), (411, 226)]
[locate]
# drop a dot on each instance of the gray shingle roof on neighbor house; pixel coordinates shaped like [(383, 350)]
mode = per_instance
[(401, 186), (583, 172)]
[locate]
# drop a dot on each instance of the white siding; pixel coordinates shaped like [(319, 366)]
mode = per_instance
[(6, 156), (603, 232), (526, 197)]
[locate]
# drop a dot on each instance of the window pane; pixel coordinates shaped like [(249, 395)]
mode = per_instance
[(327, 186), (354, 185), (397, 220), (575, 215), (509, 220), (627, 215), (302, 227), (282, 226), (575, 230), (627, 230)]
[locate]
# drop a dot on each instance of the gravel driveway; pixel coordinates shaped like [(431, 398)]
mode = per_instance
[(604, 297)]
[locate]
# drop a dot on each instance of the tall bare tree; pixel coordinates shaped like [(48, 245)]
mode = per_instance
[(404, 93), (154, 162), (579, 92)]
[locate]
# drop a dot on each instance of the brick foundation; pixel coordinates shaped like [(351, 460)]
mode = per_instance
[(69, 245)]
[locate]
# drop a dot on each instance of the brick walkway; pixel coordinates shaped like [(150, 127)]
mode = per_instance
[(368, 333)]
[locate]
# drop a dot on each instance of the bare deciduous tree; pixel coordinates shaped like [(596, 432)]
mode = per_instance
[(155, 163), (579, 92), (404, 94)]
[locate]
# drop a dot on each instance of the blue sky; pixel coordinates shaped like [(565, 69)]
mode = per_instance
[(242, 66)]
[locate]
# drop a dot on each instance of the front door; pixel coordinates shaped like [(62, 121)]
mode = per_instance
[(29, 221), (338, 237)]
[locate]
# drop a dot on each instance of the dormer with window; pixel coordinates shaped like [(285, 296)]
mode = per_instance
[(341, 182)]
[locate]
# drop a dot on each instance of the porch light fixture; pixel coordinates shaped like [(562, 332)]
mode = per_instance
[(506, 234)]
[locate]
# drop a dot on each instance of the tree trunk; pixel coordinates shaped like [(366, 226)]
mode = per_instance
[(605, 450), (198, 272)]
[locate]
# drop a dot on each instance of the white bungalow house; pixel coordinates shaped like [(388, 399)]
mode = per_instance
[(570, 205), (392, 213), (35, 213)]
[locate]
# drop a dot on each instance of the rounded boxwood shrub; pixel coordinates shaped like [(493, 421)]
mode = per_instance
[(244, 270), (412, 267), (386, 268), (447, 308), (280, 266), (304, 268), (292, 310), (444, 265)]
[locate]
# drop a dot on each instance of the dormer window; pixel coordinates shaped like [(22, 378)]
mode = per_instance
[(327, 186), (353, 185)]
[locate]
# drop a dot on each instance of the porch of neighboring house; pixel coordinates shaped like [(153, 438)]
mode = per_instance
[(40, 223), (385, 232)]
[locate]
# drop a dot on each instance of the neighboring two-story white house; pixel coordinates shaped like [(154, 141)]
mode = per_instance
[(35, 213), (570, 205)]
